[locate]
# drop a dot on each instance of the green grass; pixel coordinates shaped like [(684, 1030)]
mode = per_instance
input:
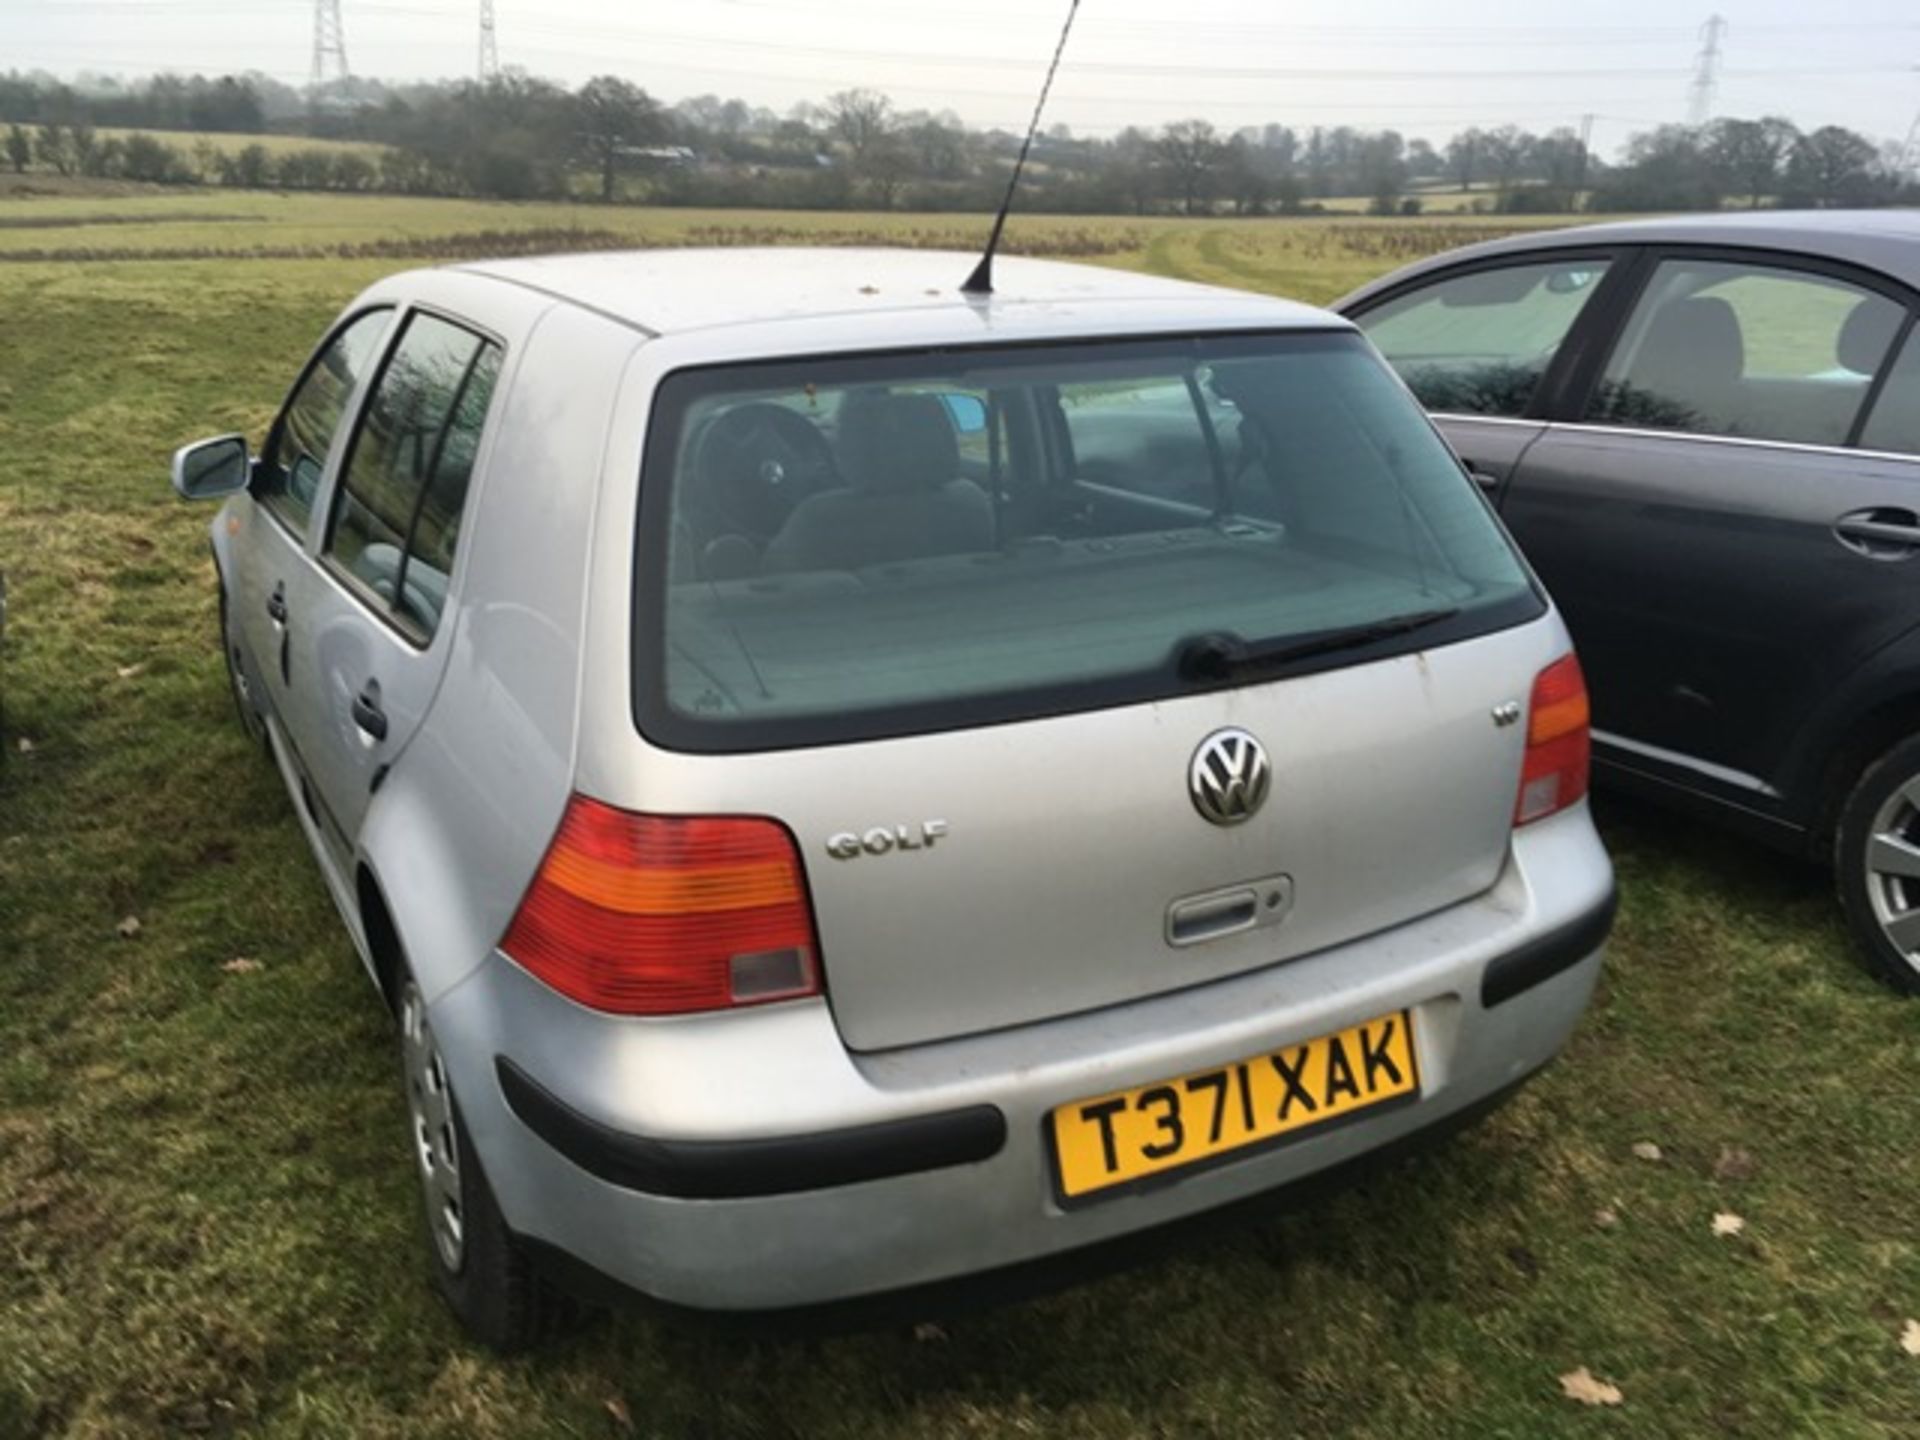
[(206, 1214), (233, 144)]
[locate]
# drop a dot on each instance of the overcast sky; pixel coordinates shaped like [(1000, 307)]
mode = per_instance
[(1421, 68)]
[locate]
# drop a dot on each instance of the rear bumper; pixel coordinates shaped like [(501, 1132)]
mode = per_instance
[(750, 1162), (1026, 1279)]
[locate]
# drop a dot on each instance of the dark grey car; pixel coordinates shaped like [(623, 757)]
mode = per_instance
[(1705, 434)]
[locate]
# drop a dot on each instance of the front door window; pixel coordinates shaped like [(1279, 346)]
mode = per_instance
[(1481, 342), (295, 455)]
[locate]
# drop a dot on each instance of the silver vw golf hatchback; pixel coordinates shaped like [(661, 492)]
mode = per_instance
[(847, 784)]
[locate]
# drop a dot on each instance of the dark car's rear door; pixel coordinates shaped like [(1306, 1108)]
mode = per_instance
[(1723, 550)]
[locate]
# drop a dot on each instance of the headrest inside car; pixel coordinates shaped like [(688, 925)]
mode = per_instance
[(896, 442), (1866, 335)]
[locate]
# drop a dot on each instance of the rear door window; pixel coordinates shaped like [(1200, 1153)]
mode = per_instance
[(403, 490), (1762, 352), (295, 455), (1149, 436), (818, 562), (1894, 423), (1480, 343)]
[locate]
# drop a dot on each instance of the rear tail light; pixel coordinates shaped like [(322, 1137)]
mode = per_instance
[(1559, 743), (664, 914)]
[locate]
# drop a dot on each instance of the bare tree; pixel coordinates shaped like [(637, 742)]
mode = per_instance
[(859, 119), (611, 117), (1245, 182), (1191, 152), (1463, 156), (1832, 166), (1505, 150), (1382, 165), (1751, 153)]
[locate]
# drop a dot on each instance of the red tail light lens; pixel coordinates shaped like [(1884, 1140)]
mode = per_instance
[(1559, 743), (664, 914)]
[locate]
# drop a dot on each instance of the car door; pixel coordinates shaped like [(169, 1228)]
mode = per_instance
[(271, 540), (1483, 345), (1723, 550), (377, 598)]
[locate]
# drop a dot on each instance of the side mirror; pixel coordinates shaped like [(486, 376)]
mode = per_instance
[(208, 469), (968, 413)]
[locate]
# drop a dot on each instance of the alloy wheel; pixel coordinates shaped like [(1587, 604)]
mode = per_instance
[(1893, 869), (430, 1113)]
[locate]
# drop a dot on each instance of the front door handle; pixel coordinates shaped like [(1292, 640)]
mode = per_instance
[(367, 713), (1884, 532), (277, 604)]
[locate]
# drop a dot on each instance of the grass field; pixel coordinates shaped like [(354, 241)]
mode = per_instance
[(189, 140), (207, 1222)]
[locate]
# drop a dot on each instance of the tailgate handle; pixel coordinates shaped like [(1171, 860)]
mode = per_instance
[(1249, 905)]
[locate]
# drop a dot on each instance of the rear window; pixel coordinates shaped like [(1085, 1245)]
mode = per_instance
[(848, 548)]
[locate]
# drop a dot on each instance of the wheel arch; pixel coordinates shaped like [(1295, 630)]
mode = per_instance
[(385, 956), (1867, 734)]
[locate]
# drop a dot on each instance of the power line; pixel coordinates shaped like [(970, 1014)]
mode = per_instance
[(672, 39)]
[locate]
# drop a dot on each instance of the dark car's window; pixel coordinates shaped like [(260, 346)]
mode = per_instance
[(405, 483), (1759, 351), (1895, 421), (296, 450), (1479, 343), (820, 561)]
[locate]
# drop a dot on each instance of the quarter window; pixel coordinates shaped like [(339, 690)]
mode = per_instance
[(404, 488), (1757, 351), (1895, 421), (1480, 343), (296, 449)]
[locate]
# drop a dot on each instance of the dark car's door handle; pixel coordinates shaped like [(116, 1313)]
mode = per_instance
[(367, 713), (1485, 481), (1884, 532), (277, 604)]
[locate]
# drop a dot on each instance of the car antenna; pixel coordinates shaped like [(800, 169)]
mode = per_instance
[(980, 282)]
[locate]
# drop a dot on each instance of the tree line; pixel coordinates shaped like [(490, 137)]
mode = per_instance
[(521, 137)]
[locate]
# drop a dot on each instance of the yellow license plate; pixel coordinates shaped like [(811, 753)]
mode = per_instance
[(1134, 1138)]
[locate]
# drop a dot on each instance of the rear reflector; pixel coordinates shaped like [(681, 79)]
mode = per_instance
[(1559, 743), (666, 914)]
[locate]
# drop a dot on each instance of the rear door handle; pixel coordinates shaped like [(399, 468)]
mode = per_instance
[(1884, 532), (367, 713), (277, 604)]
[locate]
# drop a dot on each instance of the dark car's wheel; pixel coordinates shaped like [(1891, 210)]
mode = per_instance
[(1877, 863), (241, 687), (478, 1266)]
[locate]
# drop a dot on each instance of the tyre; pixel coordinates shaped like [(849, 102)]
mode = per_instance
[(479, 1267), (1877, 865), (241, 688)]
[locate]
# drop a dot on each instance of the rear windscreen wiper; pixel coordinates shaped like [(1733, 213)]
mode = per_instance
[(1221, 656)]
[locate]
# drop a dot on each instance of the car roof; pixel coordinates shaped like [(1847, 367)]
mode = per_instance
[(1884, 240), (674, 291)]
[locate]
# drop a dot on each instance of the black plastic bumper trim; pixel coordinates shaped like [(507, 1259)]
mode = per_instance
[(737, 1169), (1022, 1280), (1520, 970)]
